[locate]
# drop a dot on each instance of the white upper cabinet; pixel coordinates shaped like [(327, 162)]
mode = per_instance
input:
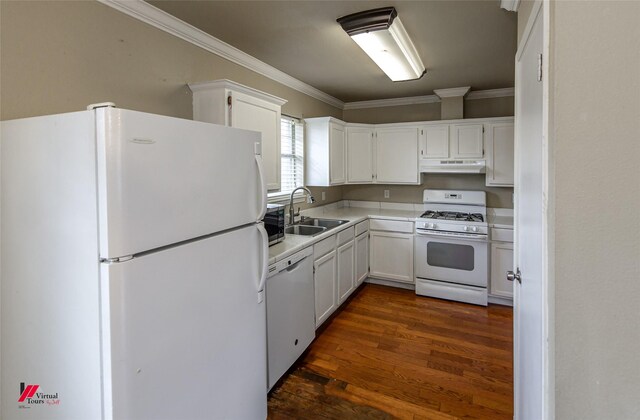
[(466, 141), (499, 151), (337, 158), (397, 155), (360, 154), (228, 103), (349, 153), (434, 142), (326, 152)]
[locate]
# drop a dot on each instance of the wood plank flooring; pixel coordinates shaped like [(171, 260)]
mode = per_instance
[(391, 354)]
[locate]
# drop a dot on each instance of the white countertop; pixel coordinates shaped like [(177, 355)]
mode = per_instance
[(496, 218), (504, 222), (295, 243)]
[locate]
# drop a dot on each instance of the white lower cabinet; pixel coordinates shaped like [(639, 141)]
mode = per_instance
[(501, 262), (346, 271), (325, 281), (362, 257), (391, 250)]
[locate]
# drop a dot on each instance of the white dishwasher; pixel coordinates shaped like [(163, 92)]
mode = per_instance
[(290, 312)]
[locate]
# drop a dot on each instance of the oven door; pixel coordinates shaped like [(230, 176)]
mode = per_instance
[(454, 259)]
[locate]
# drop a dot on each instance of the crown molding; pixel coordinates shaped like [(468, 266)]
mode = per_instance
[(510, 5), (381, 103), (491, 93), (231, 85), (452, 92), (157, 18)]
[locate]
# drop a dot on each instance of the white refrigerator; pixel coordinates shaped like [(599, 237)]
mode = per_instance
[(133, 264)]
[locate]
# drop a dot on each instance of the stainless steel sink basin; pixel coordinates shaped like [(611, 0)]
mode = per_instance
[(326, 223), (304, 230)]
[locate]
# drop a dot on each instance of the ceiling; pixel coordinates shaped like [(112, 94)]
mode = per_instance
[(462, 43)]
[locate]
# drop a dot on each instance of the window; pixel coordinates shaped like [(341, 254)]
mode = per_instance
[(291, 156)]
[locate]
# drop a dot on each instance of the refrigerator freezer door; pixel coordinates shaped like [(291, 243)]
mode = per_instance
[(163, 180), (187, 334)]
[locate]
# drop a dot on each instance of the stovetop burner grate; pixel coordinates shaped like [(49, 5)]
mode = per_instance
[(452, 215)]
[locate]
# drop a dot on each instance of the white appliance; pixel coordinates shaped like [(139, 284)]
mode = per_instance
[(133, 268), (291, 324), (451, 246), (453, 166)]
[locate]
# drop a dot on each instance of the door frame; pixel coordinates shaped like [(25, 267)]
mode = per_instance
[(548, 219)]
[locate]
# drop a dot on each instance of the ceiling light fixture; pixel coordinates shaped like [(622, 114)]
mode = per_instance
[(382, 36)]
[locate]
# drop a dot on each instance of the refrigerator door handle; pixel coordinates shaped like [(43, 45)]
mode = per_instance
[(265, 261), (263, 188)]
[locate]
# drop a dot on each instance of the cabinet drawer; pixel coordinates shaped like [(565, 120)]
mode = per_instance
[(324, 247), (362, 227), (345, 236), (391, 226), (503, 235)]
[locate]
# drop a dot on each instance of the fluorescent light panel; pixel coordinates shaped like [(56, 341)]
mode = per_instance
[(382, 36)]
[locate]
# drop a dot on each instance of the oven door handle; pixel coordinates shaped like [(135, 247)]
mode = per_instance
[(474, 238)]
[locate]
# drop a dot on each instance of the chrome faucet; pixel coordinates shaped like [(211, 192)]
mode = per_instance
[(292, 213)]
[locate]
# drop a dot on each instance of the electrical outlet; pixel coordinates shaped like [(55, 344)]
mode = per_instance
[(324, 195), (386, 193)]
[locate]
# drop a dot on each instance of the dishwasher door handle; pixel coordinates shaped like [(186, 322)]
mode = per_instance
[(293, 267)]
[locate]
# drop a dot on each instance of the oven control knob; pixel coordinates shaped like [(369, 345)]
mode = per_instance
[(466, 228), (429, 225), (474, 229)]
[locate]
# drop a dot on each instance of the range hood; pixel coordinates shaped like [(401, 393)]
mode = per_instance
[(452, 166)]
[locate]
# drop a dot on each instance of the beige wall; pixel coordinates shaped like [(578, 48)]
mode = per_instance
[(473, 108), (489, 107), (59, 56), (596, 135), (391, 114), (524, 10), (496, 197)]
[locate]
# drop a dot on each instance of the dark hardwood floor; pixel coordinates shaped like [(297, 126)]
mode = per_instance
[(391, 354)]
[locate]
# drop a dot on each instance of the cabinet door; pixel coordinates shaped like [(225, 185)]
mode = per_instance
[(500, 157), (501, 262), (359, 155), (466, 141), (324, 279), (362, 258), (397, 155), (346, 271), (434, 142), (337, 161), (255, 114), (391, 256)]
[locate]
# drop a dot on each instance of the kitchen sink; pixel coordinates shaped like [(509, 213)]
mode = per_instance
[(304, 230), (326, 223)]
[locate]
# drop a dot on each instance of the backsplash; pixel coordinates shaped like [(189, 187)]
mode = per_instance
[(496, 197)]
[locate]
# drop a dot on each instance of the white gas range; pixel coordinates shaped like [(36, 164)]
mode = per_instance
[(451, 246)]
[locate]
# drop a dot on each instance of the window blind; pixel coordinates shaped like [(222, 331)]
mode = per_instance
[(292, 154)]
